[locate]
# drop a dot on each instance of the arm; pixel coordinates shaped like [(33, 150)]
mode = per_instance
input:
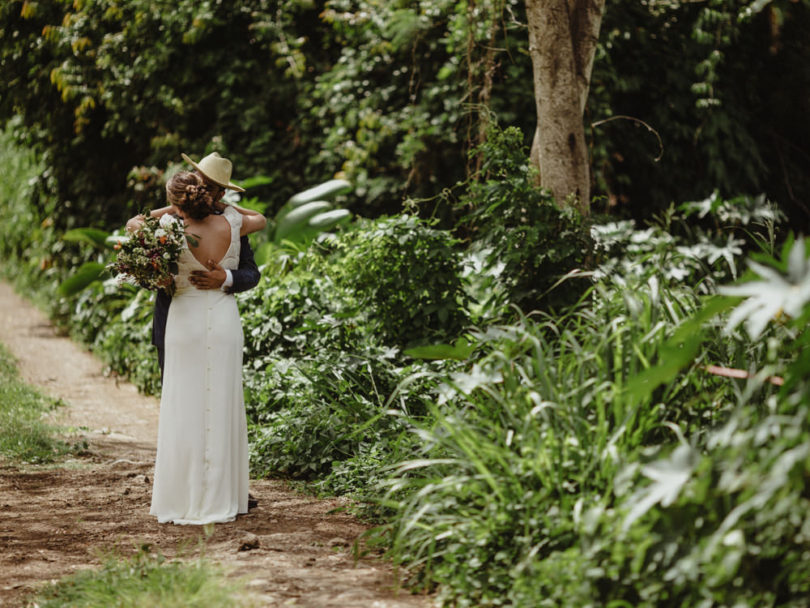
[(163, 211), (252, 221), (136, 222)]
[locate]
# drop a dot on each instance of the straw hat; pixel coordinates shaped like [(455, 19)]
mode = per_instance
[(215, 168)]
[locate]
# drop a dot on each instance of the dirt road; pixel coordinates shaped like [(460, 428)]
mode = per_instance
[(56, 520)]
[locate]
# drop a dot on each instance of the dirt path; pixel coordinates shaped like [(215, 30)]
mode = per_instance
[(56, 520)]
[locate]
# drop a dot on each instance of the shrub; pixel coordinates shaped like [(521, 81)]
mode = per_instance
[(532, 242), (321, 342), (405, 277), (549, 476), (526, 436)]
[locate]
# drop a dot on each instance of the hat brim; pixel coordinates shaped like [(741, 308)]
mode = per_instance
[(229, 185)]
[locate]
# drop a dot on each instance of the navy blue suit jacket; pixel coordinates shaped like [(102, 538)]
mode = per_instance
[(245, 277)]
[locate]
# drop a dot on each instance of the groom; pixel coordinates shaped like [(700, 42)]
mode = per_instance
[(216, 173)]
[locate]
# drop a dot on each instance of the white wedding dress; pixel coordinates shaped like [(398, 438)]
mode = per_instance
[(201, 467)]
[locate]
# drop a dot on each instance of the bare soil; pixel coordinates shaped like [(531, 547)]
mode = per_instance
[(58, 519)]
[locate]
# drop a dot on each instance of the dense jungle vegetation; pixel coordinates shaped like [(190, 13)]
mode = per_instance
[(537, 408)]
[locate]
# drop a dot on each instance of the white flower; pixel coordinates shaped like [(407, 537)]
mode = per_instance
[(166, 220), (774, 295), (160, 232)]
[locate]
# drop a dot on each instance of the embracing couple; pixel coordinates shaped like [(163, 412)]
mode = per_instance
[(201, 467)]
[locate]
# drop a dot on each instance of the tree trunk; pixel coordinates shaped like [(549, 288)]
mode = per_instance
[(562, 42)]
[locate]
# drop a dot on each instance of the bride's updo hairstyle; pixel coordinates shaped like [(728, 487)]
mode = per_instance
[(187, 191)]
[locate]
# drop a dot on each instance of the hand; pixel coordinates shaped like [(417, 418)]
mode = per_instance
[(213, 278), (135, 223)]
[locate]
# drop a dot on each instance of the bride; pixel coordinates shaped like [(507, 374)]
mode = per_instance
[(201, 467)]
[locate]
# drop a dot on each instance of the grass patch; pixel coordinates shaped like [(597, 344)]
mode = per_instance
[(145, 580), (24, 435)]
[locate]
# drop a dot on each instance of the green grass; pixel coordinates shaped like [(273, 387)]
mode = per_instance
[(24, 435), (146, 580)]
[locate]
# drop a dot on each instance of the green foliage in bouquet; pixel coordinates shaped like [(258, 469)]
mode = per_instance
[(148, 257)]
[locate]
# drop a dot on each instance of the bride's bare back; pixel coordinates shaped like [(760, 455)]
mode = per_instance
[(212, 238)]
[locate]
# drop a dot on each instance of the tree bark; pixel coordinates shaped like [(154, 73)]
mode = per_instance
[(562, 42)]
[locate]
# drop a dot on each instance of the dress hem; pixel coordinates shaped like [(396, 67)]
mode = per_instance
[(196, 522)]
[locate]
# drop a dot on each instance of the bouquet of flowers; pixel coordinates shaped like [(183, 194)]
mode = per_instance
[(148, 257)]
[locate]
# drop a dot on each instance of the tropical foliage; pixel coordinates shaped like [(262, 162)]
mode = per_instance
[(536, 409), (392, 95)]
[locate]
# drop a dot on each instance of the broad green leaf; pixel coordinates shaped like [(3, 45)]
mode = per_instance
[(322, 191), (93, 236), (328, 219), (254, 203), (298, 218), (85, 275), (263, 253), (677, 352), (299, 238), (459, 351), (775, 294), (668, 477), (253, 182)]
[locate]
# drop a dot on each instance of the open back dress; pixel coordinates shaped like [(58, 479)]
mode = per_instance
[(201, 467)]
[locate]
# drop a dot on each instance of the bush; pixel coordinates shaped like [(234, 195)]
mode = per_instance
[(529, 244), (519, 489), (526, 436), (405, 276), (730, 525), (324, 339), (322, 411)]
